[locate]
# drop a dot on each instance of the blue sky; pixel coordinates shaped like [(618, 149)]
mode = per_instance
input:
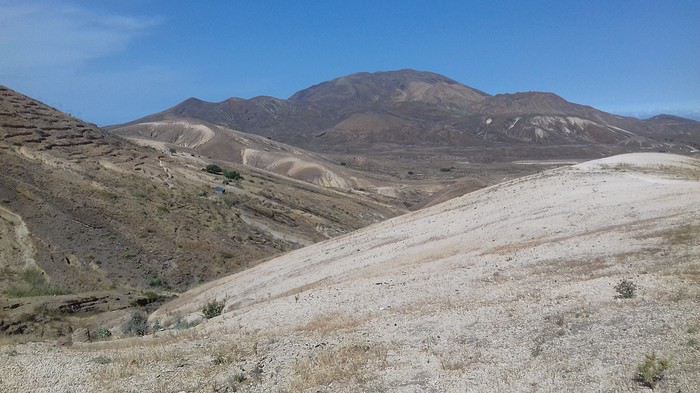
[(114, 61)]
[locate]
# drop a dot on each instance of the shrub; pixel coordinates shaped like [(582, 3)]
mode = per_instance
[(233, 175), (213, 168), (626, 289), (103, 333), (148, 298), (137, 325), (652, 370), (213, 309)]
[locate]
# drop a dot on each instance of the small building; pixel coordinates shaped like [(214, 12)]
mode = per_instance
[(219, 190)]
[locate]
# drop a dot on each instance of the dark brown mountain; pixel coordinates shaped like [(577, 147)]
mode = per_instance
[(374, 111)]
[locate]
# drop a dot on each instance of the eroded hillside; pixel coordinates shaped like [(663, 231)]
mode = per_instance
[(92, 212), (511, 288)]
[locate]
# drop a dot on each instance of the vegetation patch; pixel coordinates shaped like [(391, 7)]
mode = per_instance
[(626, 289), (33, 282), (652, 370), (213, 309), (147, 298), (103, 334), (213, 169), (137, 325), (350, 365), (233, 175)]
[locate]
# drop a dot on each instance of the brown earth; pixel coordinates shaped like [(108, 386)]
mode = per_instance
[(92, 212), (508, 289)]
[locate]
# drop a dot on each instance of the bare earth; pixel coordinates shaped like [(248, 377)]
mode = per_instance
[(506, 289)]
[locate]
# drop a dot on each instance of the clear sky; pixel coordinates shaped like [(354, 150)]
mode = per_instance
[(113, 61)]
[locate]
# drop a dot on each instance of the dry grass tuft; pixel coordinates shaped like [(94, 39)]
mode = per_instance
[(325, 324), (353, 365)]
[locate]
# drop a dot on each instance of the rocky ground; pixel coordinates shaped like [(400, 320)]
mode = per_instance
[(512, 288)]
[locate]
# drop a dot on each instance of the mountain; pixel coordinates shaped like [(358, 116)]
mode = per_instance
[(84, 211), (567, 280), (379, 111)]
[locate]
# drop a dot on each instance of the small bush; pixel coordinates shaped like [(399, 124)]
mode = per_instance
[(137, 325), (213, 309), (103, 334), (233, 175), (652, 370), (213, 168), (148, 298), (222, 359), (626, 289)]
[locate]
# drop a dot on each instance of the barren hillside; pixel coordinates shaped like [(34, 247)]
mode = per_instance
[(508, 289), (85, 212), (224, 144)]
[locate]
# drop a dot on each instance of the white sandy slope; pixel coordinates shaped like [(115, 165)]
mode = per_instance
[(507, 289)]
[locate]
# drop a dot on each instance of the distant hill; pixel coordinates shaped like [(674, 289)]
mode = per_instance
[(366, 111), (93, 212)]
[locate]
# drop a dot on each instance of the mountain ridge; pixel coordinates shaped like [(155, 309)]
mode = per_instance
[(364, 110)]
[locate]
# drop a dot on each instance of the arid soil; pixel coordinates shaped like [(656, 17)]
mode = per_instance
[(510, 288), (85, 212)]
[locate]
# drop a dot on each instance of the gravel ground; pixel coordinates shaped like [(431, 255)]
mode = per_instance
[(507, 289)]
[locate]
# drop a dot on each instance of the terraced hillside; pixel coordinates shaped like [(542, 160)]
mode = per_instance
[(92, 212)]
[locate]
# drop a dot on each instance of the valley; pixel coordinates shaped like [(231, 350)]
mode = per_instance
[(393, 231)]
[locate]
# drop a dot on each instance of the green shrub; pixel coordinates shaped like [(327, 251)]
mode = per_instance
[(103, 333), (148, 298), (626, 289), (33, 282), (137, 325), (213, 309), (157, 282), (213, 168), (652, 370), (233, 175)]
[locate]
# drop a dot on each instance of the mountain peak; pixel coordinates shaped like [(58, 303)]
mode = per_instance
[(385, 88)]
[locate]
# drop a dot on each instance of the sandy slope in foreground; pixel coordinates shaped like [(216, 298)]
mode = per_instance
[(509, 288)]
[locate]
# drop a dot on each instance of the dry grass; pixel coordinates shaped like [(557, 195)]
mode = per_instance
[(354, 364), (571, 269), (325, 324)]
